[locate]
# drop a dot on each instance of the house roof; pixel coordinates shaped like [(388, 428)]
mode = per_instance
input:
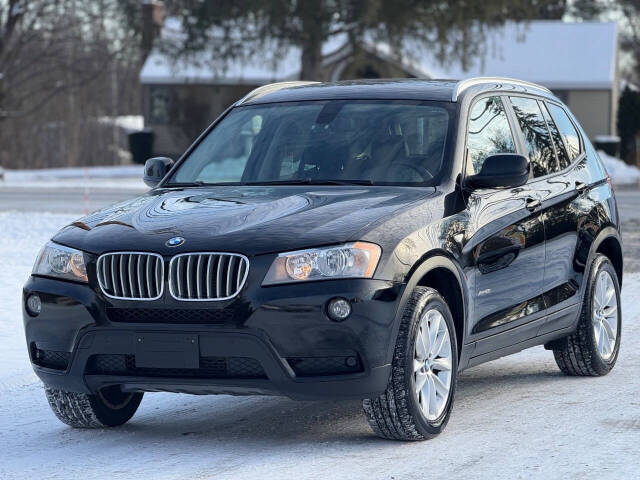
[(558, 55), (161, 68)]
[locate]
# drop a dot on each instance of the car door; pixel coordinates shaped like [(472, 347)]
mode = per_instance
[(506, 239), (566, 209), (555, 185)]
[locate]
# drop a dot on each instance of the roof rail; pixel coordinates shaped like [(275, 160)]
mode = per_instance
[(462, 85), (272, 87)]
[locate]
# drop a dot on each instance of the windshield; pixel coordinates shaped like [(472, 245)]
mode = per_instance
[(323, 142)]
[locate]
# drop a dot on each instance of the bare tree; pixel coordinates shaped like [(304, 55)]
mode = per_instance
[(48, 47), (631, 33), (627, 14), (62, 63)]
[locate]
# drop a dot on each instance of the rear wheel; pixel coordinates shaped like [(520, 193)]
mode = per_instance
[(110, 407), (418, 400), (593, 349)]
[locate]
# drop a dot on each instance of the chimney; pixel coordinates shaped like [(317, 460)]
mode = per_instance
[(152, 20)]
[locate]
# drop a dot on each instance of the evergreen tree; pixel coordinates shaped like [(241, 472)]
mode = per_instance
[(628, 123), (235, 29)]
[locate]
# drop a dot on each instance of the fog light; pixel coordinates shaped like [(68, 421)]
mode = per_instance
[(351, 362), (34, 305), (339, 309)]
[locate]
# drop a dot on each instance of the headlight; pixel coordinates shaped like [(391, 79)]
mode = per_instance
[(353, 260), (61, 262)]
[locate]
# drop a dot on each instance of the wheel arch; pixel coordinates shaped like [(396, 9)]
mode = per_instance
[(441, 272), (445, 281), (609, 244)]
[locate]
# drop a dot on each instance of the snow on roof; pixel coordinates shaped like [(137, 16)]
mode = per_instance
[(558, 55), (161, 68)]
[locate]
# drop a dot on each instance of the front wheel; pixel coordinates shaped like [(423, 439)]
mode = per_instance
[(418, 400), (110, 407)]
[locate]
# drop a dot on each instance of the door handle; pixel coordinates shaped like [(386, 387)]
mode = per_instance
[(581, 187), (532, 204)]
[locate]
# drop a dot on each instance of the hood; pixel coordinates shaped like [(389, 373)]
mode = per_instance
[(248, 220)]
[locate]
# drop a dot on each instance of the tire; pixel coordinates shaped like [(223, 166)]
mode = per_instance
[(579, 354), (398, 413), (110, 407)]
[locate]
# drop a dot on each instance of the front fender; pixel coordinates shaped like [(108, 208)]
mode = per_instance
[(436, 260)]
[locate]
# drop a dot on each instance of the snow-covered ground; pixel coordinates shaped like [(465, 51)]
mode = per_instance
[(23, 236), (517, 417), (620, 172), (125, 177), (130, 123)]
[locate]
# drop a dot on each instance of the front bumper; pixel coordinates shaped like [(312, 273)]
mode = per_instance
[(275, 340)]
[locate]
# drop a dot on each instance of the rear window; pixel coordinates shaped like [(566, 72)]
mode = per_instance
[(536, 135), (567, 130), (558, 142)]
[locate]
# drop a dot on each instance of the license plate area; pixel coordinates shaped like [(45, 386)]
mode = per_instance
[(167, 350)]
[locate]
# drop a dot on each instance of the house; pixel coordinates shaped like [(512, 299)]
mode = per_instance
[(577, 61)]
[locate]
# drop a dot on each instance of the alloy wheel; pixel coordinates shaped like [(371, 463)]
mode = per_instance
[(432, 363), (604, 317)]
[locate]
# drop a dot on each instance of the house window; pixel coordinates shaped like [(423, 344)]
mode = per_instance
[(159, 105), (563, 95), (369, 71)]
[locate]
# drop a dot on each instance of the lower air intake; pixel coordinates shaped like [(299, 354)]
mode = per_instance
[(163, 315), (323, 366), (51, 359), (210, 367)]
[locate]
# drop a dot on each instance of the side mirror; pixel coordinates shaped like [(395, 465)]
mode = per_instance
[(155, 170), (503, 170)]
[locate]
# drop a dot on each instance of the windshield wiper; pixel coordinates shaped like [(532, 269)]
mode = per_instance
[(187, 184), (291, 181), (297, 181), (342, 182)]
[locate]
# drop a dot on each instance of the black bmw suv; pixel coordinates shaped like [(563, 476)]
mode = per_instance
[(366, 240)]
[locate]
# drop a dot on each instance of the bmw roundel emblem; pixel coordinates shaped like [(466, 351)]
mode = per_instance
[(175, 242)]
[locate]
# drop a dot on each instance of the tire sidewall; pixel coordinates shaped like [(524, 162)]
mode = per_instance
[(430, 300), (601, 263)]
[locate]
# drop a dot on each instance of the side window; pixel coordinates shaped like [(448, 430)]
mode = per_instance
[(563, 158), (536, 136), (567, 130), (489, 132)]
